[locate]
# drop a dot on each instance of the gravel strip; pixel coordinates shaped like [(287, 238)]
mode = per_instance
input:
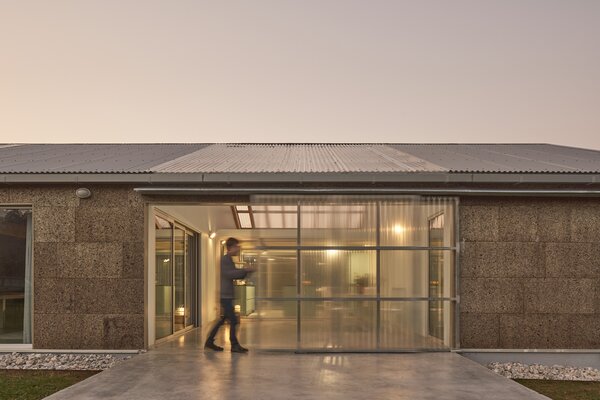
[(60, 361), (538, 371)]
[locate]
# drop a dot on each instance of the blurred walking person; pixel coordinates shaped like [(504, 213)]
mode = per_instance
[(228, 273)]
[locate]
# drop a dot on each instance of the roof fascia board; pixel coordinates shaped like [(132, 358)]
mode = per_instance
[(397, 191), (163, 178), (535, 178), (333, 177)]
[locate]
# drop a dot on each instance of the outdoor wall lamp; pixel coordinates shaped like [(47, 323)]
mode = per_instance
[(83, 193)]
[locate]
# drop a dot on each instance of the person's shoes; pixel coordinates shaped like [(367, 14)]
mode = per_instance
[(212, 346), (237, 348)]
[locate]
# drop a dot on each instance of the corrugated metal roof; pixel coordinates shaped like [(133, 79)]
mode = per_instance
[(506, 158), (295, 158), (308, 158), (89, 158)]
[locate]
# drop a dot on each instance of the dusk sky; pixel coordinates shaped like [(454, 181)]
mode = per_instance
[(300, 71)]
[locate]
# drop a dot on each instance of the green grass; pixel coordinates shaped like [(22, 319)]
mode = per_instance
[(37, 384), (564, 390)]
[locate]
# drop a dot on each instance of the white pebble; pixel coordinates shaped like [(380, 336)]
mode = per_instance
[(95, 362), (538, 371)]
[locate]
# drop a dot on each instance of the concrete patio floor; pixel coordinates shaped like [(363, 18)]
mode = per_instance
[(181, 369)]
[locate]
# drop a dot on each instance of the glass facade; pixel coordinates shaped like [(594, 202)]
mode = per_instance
[(363, 274), (15, 275)]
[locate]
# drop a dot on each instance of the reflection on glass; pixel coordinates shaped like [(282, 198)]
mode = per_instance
[(164, 277), (15, 275), (405, 325), (407, 223), (407, 273), (347, 325), (338, 224), (338, 273)]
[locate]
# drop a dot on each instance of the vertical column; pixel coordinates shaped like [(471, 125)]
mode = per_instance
[(298, 277), (377, 274), (456, 293)]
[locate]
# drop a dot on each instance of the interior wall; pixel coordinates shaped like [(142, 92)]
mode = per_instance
[(208, 280)]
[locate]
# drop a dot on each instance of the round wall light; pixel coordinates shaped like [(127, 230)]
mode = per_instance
[(83, 193)]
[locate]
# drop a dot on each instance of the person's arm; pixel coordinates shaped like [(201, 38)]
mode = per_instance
[(231, 272), (235, 273)]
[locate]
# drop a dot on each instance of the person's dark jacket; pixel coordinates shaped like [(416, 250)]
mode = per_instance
[(228, 273)]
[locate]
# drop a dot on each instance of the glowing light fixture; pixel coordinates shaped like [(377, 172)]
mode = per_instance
[(399, 229), (212, 235)]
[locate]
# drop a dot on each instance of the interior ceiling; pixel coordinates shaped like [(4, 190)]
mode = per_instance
[(202, 218)]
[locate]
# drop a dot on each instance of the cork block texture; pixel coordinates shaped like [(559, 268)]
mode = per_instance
[(88, 265), (529, 273)]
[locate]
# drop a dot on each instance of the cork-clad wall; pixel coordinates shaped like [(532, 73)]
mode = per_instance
[(530, 273), (88, 265), (529, 269)]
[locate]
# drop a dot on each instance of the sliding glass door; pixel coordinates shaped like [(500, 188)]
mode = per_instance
[(176, 277), (15, 275), (164, 277)]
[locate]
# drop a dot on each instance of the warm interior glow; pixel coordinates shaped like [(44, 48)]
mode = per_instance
[(399, 229)]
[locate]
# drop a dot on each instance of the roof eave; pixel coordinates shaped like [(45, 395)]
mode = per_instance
[(295, 178)]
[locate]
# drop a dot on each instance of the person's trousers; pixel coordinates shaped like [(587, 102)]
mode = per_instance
[(228, 314)]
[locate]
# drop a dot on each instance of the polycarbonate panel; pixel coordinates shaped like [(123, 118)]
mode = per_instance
[(343, 224), (276, 275), (275, 216), (407, 223), (338, 273), (264, 238), (273, 326), (417, 273), (326, 275), (338, 325), (416, 325)]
